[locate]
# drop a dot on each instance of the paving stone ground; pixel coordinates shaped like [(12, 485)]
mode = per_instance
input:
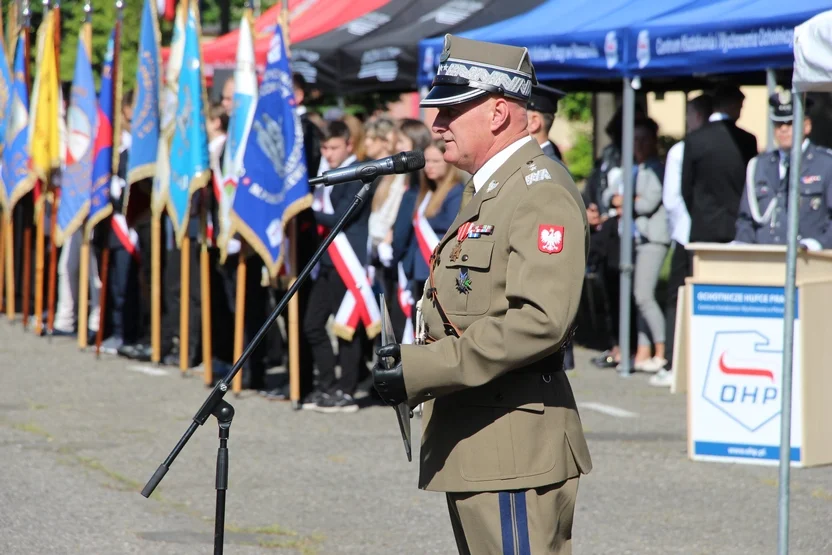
[(81, 436)]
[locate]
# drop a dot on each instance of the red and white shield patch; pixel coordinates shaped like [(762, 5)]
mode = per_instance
[(550, 238)]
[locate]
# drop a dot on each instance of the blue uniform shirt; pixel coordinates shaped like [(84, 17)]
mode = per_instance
[(763, 213)]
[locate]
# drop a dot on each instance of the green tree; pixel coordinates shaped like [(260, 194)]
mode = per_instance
[(104, 17)]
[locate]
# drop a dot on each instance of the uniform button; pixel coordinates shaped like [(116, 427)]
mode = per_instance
[(498, 397), (465, 258)]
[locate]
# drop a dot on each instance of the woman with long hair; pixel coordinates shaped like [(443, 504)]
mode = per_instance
[(425, 214)]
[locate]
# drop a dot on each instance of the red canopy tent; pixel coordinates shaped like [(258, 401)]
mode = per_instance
[(307, 19)]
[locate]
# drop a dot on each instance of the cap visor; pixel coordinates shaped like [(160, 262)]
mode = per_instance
[(448, 95)]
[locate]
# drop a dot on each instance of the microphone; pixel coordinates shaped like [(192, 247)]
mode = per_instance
[(403, 162)]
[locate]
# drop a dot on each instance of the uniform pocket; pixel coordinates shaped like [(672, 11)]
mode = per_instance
[(811, 195), (473, 263), (512, 439)]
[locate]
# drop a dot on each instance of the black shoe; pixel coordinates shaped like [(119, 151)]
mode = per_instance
[(338, 402), (277, 394), (63, 333), (137, 351), (313, 399)]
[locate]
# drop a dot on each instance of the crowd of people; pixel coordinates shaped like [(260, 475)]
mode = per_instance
[(711, 187), (705, 188)]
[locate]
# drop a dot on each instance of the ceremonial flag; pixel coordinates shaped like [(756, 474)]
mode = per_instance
[(274, 186), (5, 90), (189, 163), (76, 181), (141, 163), (17, 179), (100, 205), (170, 92), (45, 138), (242, 115)]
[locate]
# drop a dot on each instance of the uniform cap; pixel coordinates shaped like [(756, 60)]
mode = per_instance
[(782, 108), (470, 69), (544, 99)]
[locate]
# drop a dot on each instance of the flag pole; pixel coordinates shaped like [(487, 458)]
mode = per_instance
[(27, 200), (205, 292), (105, 251), (240, 314), (84, 273), (56, 194), (40, 246), (294, 309)]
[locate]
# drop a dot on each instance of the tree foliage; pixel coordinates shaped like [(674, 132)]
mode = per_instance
[(576, 106)]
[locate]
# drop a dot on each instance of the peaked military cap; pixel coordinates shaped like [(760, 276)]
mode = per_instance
[(544, 99), (470, 69), (782, 108)]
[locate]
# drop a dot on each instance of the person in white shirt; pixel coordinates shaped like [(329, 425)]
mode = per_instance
[(698, 111)]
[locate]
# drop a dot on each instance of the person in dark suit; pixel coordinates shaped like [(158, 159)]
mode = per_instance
[(541, 110), (329, 288), (713, 169)]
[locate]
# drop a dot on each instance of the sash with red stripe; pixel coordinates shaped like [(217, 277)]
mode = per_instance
[(405, 297), (425, 236), (359, 304)]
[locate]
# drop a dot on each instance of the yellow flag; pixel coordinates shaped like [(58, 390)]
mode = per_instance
[(45, 139)]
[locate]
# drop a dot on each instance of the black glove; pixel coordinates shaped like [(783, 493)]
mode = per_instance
[(389, 382)]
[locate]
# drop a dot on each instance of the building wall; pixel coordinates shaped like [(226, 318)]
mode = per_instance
[(669, 113)]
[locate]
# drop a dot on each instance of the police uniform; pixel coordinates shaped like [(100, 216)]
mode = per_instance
[(501, 431), (763, 214)]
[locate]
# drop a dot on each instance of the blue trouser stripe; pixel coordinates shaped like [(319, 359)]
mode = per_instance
[(506, 523), (522, 522)]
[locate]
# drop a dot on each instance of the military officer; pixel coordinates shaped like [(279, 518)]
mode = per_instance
[(763, 212), (501, 431), (542, 107)]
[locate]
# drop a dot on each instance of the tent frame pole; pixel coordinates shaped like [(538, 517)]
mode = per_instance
[(626, 262), (788, 329)]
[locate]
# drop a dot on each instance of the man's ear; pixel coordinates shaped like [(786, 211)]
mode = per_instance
[(499, 114)]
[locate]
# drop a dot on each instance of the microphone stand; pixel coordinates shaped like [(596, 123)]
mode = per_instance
[(221, 409)]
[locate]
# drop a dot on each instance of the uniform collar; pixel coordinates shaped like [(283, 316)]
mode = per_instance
[(483, 174), (784, 154)]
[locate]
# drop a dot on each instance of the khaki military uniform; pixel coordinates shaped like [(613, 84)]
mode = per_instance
[(501, 431)]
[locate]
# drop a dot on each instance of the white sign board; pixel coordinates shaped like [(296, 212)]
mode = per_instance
[(736, 363)]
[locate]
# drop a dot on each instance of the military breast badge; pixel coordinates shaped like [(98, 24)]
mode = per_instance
[(463, 281)]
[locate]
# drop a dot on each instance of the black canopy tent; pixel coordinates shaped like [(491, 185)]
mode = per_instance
[(318, 59), (388, 60), (380, 50)]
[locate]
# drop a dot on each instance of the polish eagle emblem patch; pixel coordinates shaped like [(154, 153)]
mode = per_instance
[(550, 238)]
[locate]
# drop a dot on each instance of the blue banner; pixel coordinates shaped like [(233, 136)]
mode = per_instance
[(274, 186), (100, 205), (81, 122), (17, 180), (141, 163), (5, 96), (189, 163)]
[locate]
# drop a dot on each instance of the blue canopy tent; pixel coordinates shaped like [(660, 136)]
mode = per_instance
[(726, 36), (582, 40)]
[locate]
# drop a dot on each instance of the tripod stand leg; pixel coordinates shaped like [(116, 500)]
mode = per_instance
[(224, 413)]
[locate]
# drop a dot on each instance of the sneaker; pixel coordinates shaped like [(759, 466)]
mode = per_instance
[(663, 378), (310, 402), (338, 402), (111, 345), (651, 365), (277, 394)]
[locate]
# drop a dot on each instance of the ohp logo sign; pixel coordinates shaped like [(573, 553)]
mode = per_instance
[(743, 378)]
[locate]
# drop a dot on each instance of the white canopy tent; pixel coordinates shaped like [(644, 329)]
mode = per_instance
[(812, 73)]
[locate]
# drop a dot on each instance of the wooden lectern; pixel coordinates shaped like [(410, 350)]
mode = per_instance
[(728, 355)]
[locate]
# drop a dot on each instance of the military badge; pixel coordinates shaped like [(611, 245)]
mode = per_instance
[(815, 203), (478, 230), (491, 186), (463, 281), (461, 234), (550, 238)]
